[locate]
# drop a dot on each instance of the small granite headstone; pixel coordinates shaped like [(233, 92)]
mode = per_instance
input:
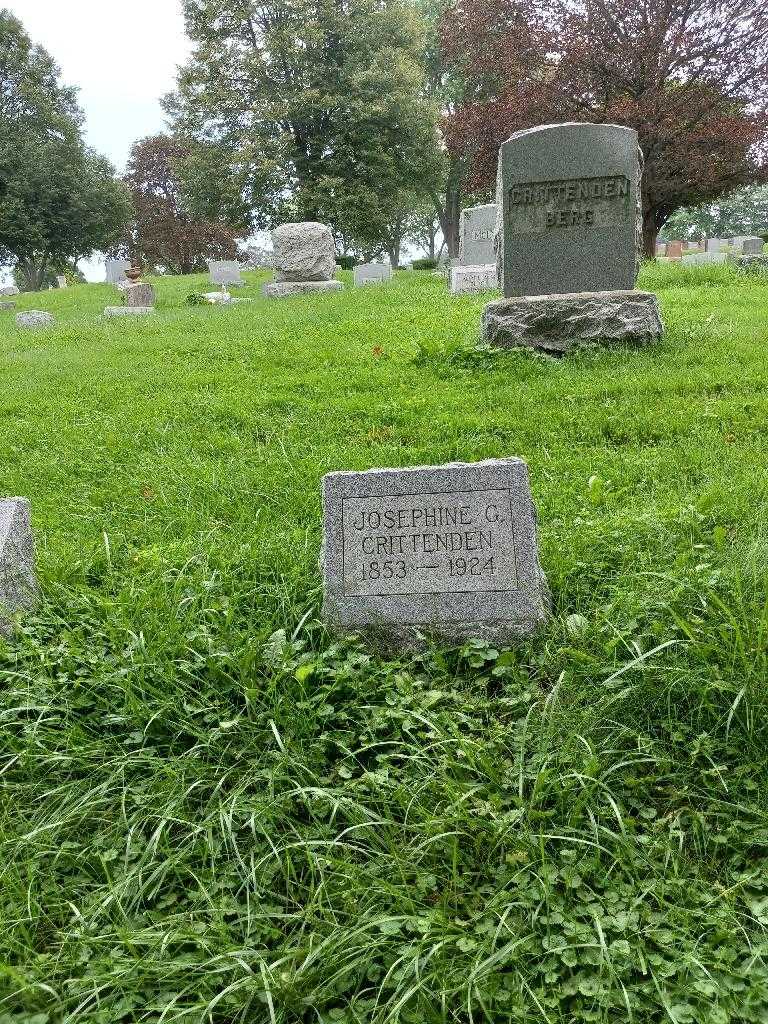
[(226, 272), (61, 281), (752, 246), (372, 273), (674, 250), (34, 318), (116, 269), (18, 583), (140, 293), (704, 258), (477, 230), (7, 305), (466, 280), (447, 550)]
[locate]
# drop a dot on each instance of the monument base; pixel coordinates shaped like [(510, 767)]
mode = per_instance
[(286, 289), (558, 323)]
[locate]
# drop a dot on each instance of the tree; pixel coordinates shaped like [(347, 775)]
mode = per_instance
[(164, 230), (689, 75), (743, 212), (308, 109), (59, 201)]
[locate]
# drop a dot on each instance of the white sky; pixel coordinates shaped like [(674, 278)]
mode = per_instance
[(122, 54)]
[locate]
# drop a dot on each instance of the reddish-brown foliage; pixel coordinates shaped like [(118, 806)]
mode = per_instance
[(691, 76), (165, 231)]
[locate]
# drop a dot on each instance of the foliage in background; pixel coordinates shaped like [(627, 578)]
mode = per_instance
[(743, 212), (691, 77), (308, 110), (165, 231), (59, 201)]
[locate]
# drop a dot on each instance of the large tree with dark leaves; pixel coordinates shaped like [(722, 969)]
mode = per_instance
[(165, 231), (59, 201), (690, 75), (308, 110)]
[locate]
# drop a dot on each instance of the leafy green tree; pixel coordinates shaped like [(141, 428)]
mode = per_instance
[(59, 201), (307, 109), (742, 212)]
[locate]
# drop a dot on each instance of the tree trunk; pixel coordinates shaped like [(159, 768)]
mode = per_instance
[(650, 234)]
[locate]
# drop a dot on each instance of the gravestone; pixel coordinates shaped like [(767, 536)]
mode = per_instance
[(116, 269), (477, 229), (18, 584), (372, 273), (447, 550), (225, 272), (115, 311), (752, 246), (467, 280), (661, 249), (703, 258), (5, 306), (139, 293), (716, 244), (34, 318), (674, 250), (61, 281), (9, 290), (568, 240), (305, 260)]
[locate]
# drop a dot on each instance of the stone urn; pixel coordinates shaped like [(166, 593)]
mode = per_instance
[(133, 274)]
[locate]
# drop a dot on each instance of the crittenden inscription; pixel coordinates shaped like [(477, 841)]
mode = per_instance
[(540, 206), (443, 543)]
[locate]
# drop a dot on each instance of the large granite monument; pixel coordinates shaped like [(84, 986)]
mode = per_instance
[(305, 260), (569, 239), (18, 583), (448, 551)]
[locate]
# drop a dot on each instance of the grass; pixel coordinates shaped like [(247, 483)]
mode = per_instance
[(212, 811)]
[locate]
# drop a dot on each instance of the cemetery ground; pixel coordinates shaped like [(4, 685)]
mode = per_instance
[(211, 810)]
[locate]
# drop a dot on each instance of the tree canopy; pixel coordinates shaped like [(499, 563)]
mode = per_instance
[(691, 76), (164, 230), (59, 201), (308, 109)]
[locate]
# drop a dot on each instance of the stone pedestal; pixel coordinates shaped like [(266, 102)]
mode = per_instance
[(139, 294), (286, 289), (469, 279), (558, 323), (18, 583)]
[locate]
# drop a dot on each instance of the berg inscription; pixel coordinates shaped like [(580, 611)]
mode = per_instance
[(449, 550), (536, 207)]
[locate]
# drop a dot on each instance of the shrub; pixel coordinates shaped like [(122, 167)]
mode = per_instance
[(425, 264), (346, 262)]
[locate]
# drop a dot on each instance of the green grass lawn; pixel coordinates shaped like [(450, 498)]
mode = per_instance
[(211, 810)]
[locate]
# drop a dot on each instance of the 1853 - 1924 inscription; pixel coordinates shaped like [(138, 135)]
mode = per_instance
[(443, 549)]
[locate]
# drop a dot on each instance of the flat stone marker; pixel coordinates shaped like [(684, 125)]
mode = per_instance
[(18, 583), (372, 273), (113, 311), (477, 230), (226, 272), (115, 270), (703, 258), (34, 318), (466, 280), (447, 550)]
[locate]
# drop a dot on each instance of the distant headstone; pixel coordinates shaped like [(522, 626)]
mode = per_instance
[(674, 250), (305, 260), (661, 248), (18, 583), (569, 232), (34, 318), (114, 311), (226, 272), (116, 271), (372, 273), (716, 244), (61, 281), (704, 258), (477, 229), (8, 290), (447, 550), (140, 293), (7, 305), (467, 279), (752, 246)]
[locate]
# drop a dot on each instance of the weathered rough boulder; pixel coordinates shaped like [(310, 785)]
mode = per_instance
[(18, 583), (304, 252), (287, 289), (558, 323), (34, 318), (9, 289)]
